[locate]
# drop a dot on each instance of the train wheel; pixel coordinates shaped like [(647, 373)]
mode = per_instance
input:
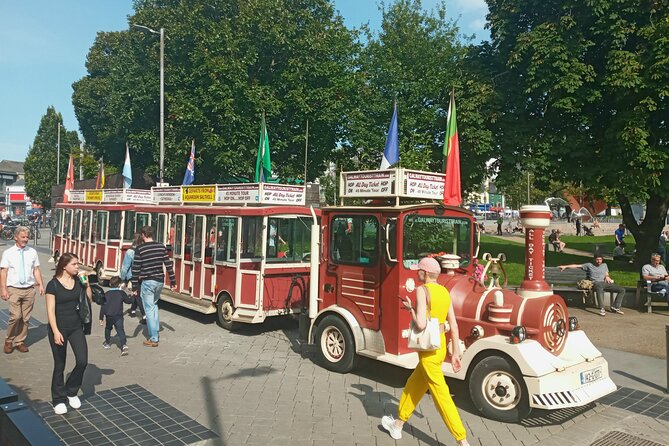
[(336, 348), (498, 390), (224, 311), (98, 272), (56, 256)]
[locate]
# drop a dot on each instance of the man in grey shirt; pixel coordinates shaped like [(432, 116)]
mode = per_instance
[(598, 273), (656, 273)]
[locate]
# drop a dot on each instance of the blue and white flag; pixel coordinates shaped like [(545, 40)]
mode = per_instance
[(127, 171), (189, 176), (391, 153)]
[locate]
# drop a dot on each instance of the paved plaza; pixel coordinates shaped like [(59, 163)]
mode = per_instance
[(261, 386)]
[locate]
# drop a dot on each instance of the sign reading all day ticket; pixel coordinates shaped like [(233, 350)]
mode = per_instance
[(424, 185)]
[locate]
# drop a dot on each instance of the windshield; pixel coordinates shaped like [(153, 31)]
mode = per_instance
[(424, 235)]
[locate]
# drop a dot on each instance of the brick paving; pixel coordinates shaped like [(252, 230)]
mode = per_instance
[(261, 386)]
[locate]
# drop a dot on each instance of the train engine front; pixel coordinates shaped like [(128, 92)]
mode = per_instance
[(521, 348)]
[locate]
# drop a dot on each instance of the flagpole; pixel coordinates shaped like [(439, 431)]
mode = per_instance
[(306, 146)]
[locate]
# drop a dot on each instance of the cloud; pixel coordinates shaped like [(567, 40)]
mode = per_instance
[(471, 6)]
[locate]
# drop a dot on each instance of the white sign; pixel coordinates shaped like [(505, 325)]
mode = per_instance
[(424, 185), (282, 194), (368, 184), (112, 195), (138, 196), (237, 193), (166, 194), (77, 195)]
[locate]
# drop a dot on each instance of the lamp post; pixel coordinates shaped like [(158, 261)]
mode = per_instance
[(58, 156), (161, 33)]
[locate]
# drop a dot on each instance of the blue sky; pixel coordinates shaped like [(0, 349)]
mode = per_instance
[(44, 43)]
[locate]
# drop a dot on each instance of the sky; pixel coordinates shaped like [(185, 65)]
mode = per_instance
[(44, 43)]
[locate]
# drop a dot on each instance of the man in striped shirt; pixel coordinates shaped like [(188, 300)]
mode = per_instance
[(147, 268)]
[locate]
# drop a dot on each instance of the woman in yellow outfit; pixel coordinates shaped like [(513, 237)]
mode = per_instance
[(428, 374)]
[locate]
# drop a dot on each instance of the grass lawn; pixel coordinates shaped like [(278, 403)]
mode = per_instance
[(605, 243), (623, 273)]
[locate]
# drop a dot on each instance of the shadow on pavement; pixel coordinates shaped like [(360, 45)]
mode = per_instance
[(92, 378), (640, 380)]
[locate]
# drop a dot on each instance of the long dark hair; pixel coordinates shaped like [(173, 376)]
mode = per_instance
[(62, 261)]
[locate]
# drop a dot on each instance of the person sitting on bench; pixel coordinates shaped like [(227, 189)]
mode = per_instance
[(656, 273), (554, 238)]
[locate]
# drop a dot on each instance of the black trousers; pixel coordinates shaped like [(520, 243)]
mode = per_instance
[(137, 302), (60, 389), (116, 322)]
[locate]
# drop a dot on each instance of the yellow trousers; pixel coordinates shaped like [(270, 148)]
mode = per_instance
[(428, 375)]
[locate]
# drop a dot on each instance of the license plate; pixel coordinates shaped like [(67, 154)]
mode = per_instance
[(591, 375)]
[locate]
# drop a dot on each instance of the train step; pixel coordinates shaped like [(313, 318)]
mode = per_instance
[(200, 305)]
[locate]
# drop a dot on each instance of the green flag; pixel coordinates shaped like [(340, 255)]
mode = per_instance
[(263, 164)]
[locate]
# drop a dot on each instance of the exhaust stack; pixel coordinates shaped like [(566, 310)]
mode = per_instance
[(535, 220)]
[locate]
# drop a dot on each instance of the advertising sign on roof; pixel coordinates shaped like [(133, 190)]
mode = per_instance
[(17, 197), (94, 196), (113, 195), (237, 193), (167, 194), (424, 185), (368, 184), (282, 194), (77, 196), (138, 196), (198, 194)]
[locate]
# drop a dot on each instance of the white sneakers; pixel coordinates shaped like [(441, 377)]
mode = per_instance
[(75, 402), (60, 409), (388, 424)]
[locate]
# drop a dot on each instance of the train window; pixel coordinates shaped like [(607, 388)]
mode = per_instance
[(251, 237), (66, 222), (129, 226), (188, 237), (102, 225), (424, 235), (94, 227), (210, 240), (197, 237), (114, 231), (158, 222), (226, 239), (288, 239), (75, 224), (85, 226), (57, 220), (354, 240), (176, 235)]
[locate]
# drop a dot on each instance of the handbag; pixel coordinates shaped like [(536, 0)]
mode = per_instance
[(428, 339), (84, 309)]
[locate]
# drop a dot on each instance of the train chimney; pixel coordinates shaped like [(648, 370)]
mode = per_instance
[(534, 219)]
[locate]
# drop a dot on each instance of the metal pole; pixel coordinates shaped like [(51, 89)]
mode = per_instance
[(81, 161), (58, 155), (162, 101), (666, 328), (528, 188), (306, 146)]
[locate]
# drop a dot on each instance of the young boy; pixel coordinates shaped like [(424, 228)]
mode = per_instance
[(113, 310)]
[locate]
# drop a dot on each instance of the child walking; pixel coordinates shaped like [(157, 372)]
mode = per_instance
[(112, 309)]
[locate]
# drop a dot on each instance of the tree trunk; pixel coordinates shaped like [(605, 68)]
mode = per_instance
[(646, 234)]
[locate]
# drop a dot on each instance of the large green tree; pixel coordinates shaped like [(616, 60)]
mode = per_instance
[(582, 96), (417, 58), (226, 61), (41, 164)]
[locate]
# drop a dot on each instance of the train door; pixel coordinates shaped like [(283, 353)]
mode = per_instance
[(100, 237), (177, 237), (67, 231), (84, 239), (76, 226), (196, 232), (355, 265), (207, 269), (115, 237), (93, 238), (252, 233), (225, 255)]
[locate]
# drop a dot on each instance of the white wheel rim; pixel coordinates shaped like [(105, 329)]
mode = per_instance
[(333, 345), (226, 311), (501, 390)]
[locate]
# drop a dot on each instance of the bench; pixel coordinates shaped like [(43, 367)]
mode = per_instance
[(566, 281), (643, 287)]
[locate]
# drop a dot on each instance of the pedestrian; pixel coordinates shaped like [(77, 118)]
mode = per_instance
[(126, 276), (662, 246), (428, 373), (656, 273), (112, 311), (499, 225), (578, 226), (19, 273), (147, 266), (620, 236), (598, 273), (63, 294)]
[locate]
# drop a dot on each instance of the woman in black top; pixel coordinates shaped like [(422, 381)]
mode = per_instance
[(62, 301)]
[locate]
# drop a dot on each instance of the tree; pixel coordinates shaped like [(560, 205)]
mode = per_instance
[(41, 164), (582, 96), (226, 61)]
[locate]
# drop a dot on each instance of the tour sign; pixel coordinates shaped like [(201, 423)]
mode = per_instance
[(392, 183)]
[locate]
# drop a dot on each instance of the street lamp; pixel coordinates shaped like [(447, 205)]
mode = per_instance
[(162, 91), (58, 156)]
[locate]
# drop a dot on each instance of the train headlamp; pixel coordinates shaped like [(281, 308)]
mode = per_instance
[(573, 323), (518, 334)]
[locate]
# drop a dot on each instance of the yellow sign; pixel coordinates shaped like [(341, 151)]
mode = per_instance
[(94, 196), (198, 194)]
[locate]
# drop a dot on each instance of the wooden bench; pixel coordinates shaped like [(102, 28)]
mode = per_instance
[(643, 288), (566, 280)]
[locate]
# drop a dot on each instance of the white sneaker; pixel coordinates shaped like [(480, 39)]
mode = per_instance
[(388, 424), (75, 402), (60, 409)]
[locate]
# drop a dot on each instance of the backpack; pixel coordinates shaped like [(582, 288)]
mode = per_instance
[(98, 294)]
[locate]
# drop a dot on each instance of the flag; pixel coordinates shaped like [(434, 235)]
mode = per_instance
[(100, 179), (189, 176), (452, 192), (391, 153), (69, 180), (263, 164), (127, 171)]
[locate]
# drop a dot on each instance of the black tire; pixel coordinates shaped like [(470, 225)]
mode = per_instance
[(98, 272), (56, 256), (498, 390), (225, 308), (335, 344)]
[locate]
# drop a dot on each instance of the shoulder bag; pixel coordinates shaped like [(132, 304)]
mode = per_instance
[(428, 339), (84, 308)]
